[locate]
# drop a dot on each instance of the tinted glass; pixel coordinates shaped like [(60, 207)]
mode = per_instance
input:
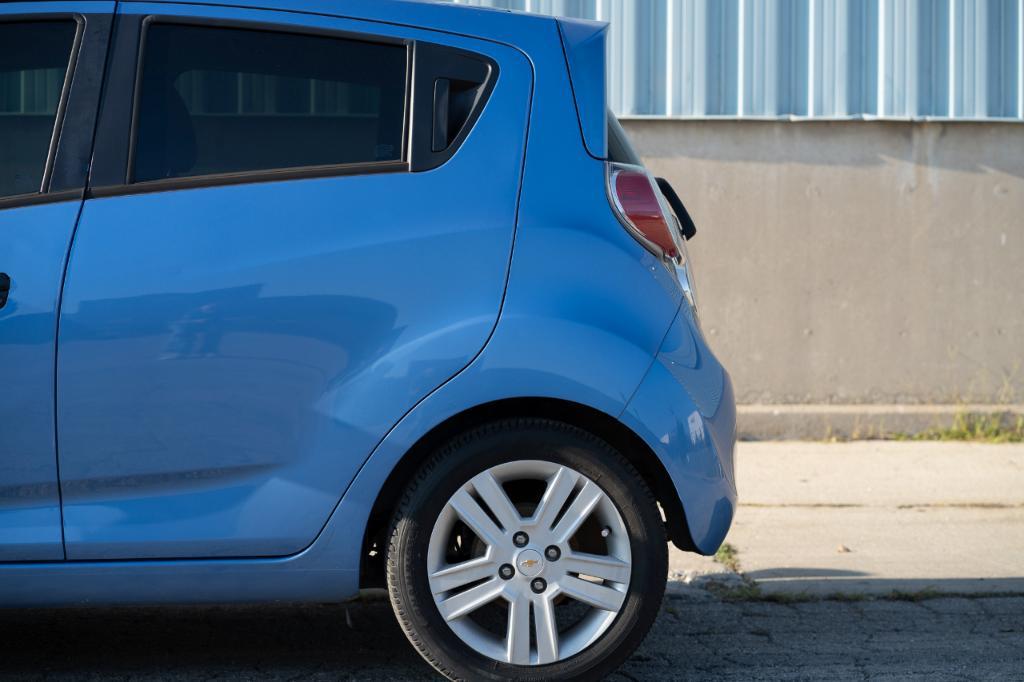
[(620, 149), (220, 100), (33, 63)]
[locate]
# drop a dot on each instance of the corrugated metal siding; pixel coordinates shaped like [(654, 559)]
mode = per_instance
[(901, 59)]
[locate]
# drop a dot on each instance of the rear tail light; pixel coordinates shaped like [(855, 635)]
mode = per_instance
[(643, 210)]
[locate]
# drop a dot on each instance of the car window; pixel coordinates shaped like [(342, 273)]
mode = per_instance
[(620, 149), (225, 100), (33, 65)]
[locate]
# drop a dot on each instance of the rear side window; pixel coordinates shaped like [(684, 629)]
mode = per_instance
[(33, 65), (223, 100), (620, 149)]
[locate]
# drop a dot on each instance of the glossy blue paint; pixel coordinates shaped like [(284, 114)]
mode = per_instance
[(324, 572), (221, 404), (34, 241), (33, 245), (57, 7), (685, 411), (242, 367), (586, 54), (586, 308)]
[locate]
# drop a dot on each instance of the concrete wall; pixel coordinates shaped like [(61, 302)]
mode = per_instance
[(855, 262)]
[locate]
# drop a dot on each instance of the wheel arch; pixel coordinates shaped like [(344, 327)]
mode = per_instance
[(592, 420)]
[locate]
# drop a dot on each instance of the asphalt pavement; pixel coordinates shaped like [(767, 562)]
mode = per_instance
[(848, 561), (697, 637)]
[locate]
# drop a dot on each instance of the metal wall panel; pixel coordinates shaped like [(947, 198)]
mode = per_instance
[(890, 59)]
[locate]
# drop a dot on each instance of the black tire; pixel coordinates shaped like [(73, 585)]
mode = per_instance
[(464, 457)]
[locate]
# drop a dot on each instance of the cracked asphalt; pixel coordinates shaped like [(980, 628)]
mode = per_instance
[(697, 637)]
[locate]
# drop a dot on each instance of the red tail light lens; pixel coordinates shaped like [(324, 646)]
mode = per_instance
[(637, 200)]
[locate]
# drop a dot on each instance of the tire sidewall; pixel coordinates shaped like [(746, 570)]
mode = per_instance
[(504, 442)]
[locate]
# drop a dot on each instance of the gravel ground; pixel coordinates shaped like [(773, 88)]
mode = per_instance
[(697, 636)]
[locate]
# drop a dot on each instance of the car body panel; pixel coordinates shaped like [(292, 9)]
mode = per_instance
[(53, 7), (588, 317), (585, 44), (35, 234), (33, 244), (685, 411), (222, 404), (480, 22)]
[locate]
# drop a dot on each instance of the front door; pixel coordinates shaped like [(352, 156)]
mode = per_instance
[(280, 269), (50, 58)]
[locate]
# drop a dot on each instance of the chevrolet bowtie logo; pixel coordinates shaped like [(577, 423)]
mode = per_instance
[(528, 563)]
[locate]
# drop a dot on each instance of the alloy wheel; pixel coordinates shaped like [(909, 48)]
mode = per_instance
[(529, 562)]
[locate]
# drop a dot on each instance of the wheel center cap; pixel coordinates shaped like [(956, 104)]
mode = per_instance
[(530, 563)]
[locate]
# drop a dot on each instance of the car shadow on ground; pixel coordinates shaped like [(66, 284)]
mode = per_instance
[(359, 640), (846, 584), (697, 636)]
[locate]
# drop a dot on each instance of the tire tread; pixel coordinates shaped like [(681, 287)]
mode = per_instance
[(403, 599)]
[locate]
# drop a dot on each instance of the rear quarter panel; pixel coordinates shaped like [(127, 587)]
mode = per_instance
[(586, 307)]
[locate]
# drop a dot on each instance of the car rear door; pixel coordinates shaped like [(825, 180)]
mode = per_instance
[(299, 226), (51, 61)]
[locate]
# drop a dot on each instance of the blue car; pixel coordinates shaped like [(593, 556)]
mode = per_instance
[(305, 297)]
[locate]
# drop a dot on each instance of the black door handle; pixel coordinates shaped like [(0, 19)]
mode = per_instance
[(5, 288), (442, 96)]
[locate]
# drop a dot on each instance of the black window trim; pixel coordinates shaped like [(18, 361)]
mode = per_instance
[(130, 186), (248, 177), (115, 134), (44, 195)]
